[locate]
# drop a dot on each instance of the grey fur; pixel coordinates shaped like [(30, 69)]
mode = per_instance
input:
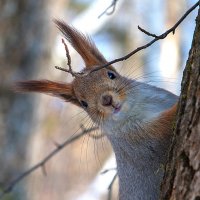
[(140, 158)]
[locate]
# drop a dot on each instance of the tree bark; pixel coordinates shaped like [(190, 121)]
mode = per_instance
[(182, 176), (24, 27)]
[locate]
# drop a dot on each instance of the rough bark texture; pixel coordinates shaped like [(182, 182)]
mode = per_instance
[(182, 177)]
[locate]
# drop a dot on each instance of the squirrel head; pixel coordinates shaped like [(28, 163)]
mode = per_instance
[(100, 93)]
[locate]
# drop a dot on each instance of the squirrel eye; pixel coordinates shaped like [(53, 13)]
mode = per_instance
[(84, 104), (111, 75)]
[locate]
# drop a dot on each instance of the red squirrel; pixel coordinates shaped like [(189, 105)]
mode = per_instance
[(136, 117)]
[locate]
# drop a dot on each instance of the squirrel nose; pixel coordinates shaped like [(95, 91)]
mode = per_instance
[(106, 100)]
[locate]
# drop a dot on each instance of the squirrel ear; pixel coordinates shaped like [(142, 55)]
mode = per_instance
[(62, 90), (82, 44)]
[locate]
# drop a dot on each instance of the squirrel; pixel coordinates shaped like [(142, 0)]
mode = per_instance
[(136, 117)]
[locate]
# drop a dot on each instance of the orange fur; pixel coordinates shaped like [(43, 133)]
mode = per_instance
[(82, 44), (62, 90), (163, 125)]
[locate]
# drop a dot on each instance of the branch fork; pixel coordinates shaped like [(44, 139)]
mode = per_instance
[(156, 38)]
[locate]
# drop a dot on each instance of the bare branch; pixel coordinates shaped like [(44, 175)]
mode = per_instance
[(147, 33), (108, 170), (68, 62), (162, 36), (110, 187), (67, 55), (112, 182), (112, 6), (156, 38), (91, 134), (42, 163)]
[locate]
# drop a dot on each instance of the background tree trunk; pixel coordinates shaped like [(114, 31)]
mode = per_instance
[(182, 177), (24, 48)]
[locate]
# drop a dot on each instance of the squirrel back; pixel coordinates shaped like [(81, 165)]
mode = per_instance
[(136, 117)]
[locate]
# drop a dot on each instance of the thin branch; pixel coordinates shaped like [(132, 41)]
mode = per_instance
[(162, 36), (74, 74), (147, 33), (156, 38), (90, 134), (42, 163), (110, 187), (108, 170), (112, 6)]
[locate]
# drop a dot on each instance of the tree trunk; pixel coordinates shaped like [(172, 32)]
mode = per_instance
[(182, 176), (24, 26)]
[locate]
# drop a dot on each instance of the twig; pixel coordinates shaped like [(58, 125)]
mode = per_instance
[(42, 163), (156, 38), (90, 134), (162, 36), (111, 6), (147, 33), (111, 186), (108, 170), (68, 62), (67, 55)]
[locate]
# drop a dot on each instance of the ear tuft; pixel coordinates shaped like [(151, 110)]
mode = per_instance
[(43, 86), (62, 90), (82, 44)]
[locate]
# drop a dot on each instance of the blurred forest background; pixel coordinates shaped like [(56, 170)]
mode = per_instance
[(31, 124)]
